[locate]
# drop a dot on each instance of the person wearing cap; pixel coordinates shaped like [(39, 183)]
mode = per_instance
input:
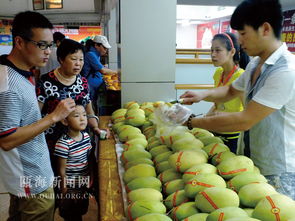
[(93, 69)]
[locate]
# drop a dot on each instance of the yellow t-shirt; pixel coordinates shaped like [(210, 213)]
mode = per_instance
[(234, 105)]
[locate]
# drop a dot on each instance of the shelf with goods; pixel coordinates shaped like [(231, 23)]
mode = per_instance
[(198, 178)]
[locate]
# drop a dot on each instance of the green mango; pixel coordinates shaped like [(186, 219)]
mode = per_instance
[(153, 143), (135, 136), (172, 186), (198, 169), (134, 154), (249, 211), (175, 136), (144, 182), (197, 217), (128, 132), (169, 175), (144, 194), (198, 132), (252, 193), (149, 131), (136, 120), (161, 167), (148, 109), (284, 207), (217, 158), (183, 160), (138, 161), (130, 105), (216, 197), (118, 112), (116, 126), (175, 199), (187, 144), (154, 217), (242, 219), (202, 181), (237, 182), (124, 127), (135, 141), (146, 124), (234, 166), (215, 148), (131, 112), (140, 170), (140, 208), (183, 210), (227, 213), (158, 150), (209, 139), (162, 157)]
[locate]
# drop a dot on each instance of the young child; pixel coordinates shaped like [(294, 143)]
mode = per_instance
[(73, 153), (230, 61)]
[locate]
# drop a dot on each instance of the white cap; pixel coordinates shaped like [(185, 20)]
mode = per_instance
[(102, 40)]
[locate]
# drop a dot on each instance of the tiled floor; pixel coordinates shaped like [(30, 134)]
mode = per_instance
[(92, 214)]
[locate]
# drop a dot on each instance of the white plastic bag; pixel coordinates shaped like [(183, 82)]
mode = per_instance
[(170, 118)]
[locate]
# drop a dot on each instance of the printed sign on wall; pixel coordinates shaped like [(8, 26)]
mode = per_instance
[(5, 32), (288, 33), (205, 33), (81, 34)]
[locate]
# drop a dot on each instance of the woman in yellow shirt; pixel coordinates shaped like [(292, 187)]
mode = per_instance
[(230, 61)]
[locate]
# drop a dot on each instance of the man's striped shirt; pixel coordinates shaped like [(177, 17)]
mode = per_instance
[(25, 169)]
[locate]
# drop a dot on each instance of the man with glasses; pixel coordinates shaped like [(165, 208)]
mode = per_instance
[(93, 69), (25, 168)]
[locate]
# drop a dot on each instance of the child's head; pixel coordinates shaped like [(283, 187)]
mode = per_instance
[(77, 120), (226, 49)]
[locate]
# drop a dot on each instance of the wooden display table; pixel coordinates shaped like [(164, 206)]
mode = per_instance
[(111, 207)]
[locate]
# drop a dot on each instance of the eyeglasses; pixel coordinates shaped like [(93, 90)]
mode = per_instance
[(41, 44)]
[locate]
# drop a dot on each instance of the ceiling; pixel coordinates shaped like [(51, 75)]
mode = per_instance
[(286, 4), (199, 13)]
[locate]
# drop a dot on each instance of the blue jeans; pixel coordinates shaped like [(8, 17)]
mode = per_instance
[(283, 183)]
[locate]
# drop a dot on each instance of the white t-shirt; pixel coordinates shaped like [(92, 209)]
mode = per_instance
[(272, 140)]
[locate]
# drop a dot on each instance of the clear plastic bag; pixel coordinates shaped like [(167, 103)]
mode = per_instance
[(170, 118)]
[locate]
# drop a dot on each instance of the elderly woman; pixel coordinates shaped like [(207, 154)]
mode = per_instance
[(63, 82)]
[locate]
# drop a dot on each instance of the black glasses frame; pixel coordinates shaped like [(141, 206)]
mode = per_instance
[(42, 45)]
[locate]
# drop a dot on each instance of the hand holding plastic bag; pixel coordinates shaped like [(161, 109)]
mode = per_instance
[(176, 114)]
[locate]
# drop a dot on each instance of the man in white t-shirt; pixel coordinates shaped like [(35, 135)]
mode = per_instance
[(268, 86)]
